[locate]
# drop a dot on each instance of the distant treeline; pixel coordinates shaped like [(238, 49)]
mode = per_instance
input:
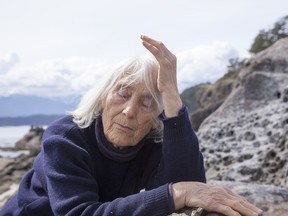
[(36, 120)]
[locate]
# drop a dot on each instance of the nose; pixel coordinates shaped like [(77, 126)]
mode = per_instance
[(130, 109)]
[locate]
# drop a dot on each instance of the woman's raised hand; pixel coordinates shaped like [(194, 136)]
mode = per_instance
[(167, 75)]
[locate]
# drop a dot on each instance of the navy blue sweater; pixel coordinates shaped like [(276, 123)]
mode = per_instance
[(78, 172)]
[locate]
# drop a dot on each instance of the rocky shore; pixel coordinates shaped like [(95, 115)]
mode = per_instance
[(244, 140), (12, 169)]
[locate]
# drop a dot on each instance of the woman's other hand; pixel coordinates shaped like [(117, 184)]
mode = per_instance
[(212, 198)]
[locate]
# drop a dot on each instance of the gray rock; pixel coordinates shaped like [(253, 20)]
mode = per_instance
[(13, 169), (246, 138), (31, 140)]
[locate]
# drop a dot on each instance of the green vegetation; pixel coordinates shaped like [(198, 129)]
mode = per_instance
[(266, 38)]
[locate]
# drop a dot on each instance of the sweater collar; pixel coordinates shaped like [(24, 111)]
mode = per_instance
[(108, 150)]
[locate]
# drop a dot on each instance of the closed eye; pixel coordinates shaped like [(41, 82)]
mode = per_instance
[(147, 101), (124, 93)]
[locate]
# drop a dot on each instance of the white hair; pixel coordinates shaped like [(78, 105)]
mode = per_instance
[(133, 71)]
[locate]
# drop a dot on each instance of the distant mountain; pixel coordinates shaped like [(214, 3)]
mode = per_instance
[(28, 105), (36, 120)]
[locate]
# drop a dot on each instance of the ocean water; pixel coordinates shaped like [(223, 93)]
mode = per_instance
[(9, 136)]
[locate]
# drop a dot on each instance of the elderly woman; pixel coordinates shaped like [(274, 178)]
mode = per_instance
[(128, 149)]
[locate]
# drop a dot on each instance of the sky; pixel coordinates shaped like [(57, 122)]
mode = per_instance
[(64, 47)]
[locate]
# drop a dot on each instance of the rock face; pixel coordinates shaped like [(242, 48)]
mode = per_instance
[(246, 138), (13, 169), (204, 99), (31, 141)]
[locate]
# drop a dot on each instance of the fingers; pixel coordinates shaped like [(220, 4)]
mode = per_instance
[(152, 49), (239, 201), (243, 206), (165, 58), (157, 44), (157, 48), (234, 207), (232, 203), (152, 45)]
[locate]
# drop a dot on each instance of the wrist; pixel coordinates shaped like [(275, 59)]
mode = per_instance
[(178, 194), (172, 104)]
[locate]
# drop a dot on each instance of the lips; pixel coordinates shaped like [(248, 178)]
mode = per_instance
[(124, 128)]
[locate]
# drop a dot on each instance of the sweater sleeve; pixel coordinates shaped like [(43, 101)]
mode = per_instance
[(181, 157), (73, 191)]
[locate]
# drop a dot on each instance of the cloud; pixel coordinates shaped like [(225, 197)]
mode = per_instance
[(205, 63), (55, 78), (74, 76), (8, 62)]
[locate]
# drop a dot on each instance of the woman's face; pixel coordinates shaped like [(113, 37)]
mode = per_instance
[(128, 114)]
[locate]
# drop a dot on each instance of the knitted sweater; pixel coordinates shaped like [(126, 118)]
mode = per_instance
[(78, 172)]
